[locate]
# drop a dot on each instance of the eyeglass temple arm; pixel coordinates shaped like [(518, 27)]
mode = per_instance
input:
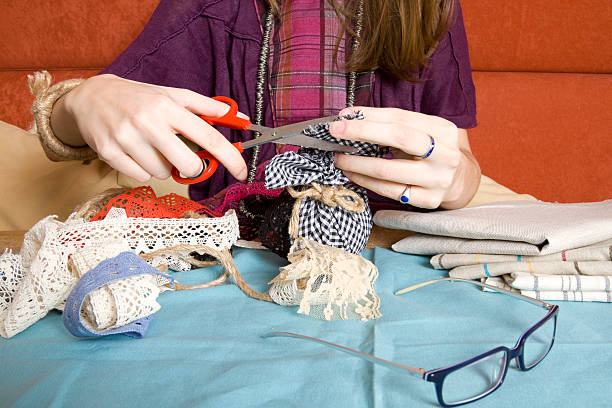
[(417, 372), (473, 282)]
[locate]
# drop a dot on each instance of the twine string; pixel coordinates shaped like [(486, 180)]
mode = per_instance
[(225, 258), (332, 196)]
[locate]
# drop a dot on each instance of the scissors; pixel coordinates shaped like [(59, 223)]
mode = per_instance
[(290, 134)]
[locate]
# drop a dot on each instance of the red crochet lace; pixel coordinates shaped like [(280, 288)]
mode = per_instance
[(142, 202)]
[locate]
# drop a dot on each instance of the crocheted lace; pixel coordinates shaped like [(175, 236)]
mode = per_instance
[(117, 303), (10, 276), (327, 283), (44, 280), (142, 202)]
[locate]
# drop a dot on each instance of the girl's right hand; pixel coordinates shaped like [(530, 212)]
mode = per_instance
[(133, 127)]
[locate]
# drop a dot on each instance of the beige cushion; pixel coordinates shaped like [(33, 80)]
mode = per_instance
[(33, 187), (490, 191)]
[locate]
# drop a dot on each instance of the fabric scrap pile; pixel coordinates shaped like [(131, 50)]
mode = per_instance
[(56, 255), (549, 251), (106, 265)]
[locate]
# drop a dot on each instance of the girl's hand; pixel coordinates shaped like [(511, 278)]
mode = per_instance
[(133, 127), (448, 178)]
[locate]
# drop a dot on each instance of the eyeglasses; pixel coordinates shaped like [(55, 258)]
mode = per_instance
[(478, 376)]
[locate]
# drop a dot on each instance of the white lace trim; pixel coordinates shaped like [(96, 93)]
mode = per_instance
[(336, 284), (44, 281), (120, 302)]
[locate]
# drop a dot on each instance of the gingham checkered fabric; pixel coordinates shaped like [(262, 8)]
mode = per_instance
[(333, 226)]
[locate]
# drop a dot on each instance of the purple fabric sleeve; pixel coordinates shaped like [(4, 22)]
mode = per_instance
[(446, 88), (449, 89), (212, 47)]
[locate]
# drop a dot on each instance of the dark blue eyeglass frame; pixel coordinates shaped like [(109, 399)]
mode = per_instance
[(516, 353), (438, 375)]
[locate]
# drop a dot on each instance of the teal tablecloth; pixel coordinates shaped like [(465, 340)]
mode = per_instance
[(204, 349)]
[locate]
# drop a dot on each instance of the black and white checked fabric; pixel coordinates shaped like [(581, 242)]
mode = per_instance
[(333, 226)]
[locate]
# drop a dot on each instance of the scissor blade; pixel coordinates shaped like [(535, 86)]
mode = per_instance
[(292, 134), (297, 128), (312, 142)]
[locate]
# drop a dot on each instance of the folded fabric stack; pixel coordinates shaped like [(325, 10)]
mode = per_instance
[(582, 274), (544, 250)]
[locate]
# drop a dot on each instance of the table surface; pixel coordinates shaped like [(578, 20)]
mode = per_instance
[(205, 348)]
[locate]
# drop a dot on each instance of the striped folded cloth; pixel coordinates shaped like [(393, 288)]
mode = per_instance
[(581, 274), (601, 251), (591, 260), (570, 288), (591, 268)]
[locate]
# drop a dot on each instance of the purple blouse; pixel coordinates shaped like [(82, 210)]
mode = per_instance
[(212, 47)]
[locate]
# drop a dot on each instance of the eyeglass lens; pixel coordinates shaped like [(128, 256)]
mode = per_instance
[(538, 343), (475, 379)]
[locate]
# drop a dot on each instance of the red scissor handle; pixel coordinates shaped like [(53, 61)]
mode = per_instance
[(229, 120), (210, 163)]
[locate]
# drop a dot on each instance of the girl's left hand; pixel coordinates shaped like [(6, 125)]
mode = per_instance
[(447, 178)]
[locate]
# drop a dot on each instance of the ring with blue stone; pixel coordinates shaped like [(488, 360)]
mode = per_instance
[(431, 148), (405, 197)]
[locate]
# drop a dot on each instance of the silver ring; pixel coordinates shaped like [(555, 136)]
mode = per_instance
[(431, 148), (405, 197)]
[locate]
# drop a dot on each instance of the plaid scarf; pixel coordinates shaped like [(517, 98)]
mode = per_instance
[(305, 81)]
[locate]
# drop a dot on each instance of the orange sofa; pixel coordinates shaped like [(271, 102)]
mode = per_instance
[(543, 74)]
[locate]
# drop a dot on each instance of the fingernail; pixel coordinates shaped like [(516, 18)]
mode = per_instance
[(143, 178), (243, 174), (199, 171), (337, 128)]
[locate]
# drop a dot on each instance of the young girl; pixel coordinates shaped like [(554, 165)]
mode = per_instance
[(404, 63)]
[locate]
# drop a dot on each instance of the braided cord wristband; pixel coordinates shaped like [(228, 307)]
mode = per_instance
[(46, 96)]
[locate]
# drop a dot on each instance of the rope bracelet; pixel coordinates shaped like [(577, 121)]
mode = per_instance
[(45, 97)]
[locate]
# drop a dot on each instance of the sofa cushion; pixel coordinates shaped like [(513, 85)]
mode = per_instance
[(539, 35), (518, 35), (38, 187), (545, 134), (68, 33)]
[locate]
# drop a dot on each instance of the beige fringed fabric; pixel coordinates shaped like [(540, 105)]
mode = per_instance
[(327, 283), (46, 95)]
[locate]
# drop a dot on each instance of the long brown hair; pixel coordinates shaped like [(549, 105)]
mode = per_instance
[(398, 36)]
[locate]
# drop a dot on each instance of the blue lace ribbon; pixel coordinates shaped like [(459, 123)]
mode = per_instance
[(124, 265)]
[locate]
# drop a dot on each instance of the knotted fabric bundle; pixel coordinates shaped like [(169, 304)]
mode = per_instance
[(321, 205), (327, 283)]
